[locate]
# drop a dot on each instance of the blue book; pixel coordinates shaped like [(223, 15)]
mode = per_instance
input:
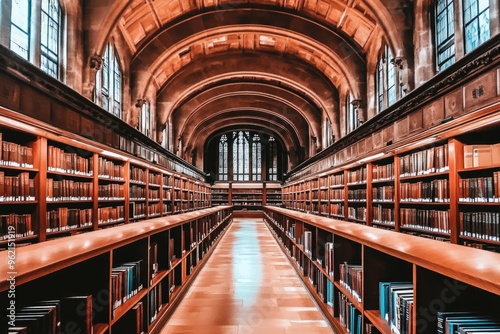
[(452, 323)]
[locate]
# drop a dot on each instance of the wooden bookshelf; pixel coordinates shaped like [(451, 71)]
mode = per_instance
[(442, 185), (462, 278), (88, 264), (55, 184)]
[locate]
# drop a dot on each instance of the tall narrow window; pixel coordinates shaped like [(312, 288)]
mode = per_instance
[(50, 35), (272, 160), (223, 159), (248, 152), (105, 79), (145, 119), (328, 133), (109, 82), (386, 79), (391, 79), (241, 156), (256, 158), (117, 87), (445, 34), (352, 114), (380, 86), (20, 27), (476, 23)]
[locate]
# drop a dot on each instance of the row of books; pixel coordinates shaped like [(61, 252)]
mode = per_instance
[(358, 213), (431, 160), (383, 172), (111, 191), (384, 193), (430, 220), (466, 322), (153, 261), (155, 209), (109, 170), (68, 162), (383, 215), (153, 194), (437, 190), (154, 179), (15, 155), (357, 176), (481, 155), (480, 225), (336, 179), (137, 192), (480, 189), (396, 304), (17, 188), (126, 282), (63, 219), (155, 302), (111, 214), (307, 241), (16, 225), (55, 316), (137, 174), (356, 194), (337, 209), (350, 317), (69, 190), (351, 278), (328, 265), (137, 210)]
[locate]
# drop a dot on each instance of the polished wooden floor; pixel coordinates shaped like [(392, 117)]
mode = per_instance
[(247, 286)]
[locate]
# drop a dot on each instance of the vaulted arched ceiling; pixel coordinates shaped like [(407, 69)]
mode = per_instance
[(216, 63)]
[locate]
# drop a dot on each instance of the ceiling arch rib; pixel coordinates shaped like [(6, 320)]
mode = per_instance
[(355, 19), (276, 113), (260, 30), (239, 119), (265, 67), (198, 110), (306, 108)]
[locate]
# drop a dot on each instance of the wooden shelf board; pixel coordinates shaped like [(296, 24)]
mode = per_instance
[(349, 296), (469, 265), (374, 317), (160, 275), (125, 307), (100, 328)]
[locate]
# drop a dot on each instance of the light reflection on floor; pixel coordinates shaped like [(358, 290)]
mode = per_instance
[(247, 287)]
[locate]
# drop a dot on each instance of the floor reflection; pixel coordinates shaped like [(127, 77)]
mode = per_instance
[(247, 287), (247, 263)]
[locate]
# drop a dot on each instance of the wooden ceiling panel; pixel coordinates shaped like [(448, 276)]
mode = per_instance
[(335, 14), (322, 8), (168, 10)]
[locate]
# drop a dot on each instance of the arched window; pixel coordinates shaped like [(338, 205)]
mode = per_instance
[(26, 28), (223, 159), (256, 158), (272, 160), (109, 83), (241, 156), (476, 23), (445, 34), (245, 156)]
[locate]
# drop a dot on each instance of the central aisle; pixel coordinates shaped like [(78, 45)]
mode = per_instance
[(247, 286)]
